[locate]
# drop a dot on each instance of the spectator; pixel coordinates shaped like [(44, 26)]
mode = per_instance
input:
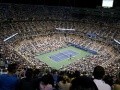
[(45, 85), (65, 83), (117, 84), (36, 79), (55, 76), (9, 81), (83, 83), (98, 74), (108, 79), (27, 82)]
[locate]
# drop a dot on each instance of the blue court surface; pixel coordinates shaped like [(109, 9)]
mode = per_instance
[(63, 55)]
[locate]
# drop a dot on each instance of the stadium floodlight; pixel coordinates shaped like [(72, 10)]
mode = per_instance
[(65, 29), (107, 3), (10, 37), (116, 41)]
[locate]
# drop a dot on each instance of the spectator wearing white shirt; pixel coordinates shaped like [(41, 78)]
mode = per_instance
[(98, 74)]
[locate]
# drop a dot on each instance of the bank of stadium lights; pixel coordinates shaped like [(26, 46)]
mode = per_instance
[(10, 37), (63, 29), (107, 3), (116, 41)]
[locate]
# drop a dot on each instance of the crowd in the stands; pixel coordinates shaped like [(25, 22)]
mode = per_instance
[(45, 79), (36, 28)]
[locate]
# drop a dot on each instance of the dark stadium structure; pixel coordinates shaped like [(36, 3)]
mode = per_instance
[(35, 27), (68, 3)]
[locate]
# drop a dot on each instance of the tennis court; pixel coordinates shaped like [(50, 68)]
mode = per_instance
[(62, 57)]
